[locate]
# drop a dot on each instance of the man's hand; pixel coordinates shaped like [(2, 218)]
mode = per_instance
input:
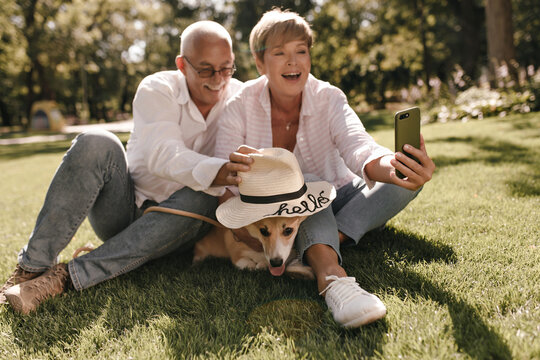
[(228, 175), (417, 174), (226, 196), (239, 161)]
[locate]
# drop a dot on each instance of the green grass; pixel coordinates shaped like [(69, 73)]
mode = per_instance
[(459, 271)]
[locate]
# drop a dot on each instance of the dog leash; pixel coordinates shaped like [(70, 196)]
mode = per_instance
[(86, 248), (89, 248), (183, 213)]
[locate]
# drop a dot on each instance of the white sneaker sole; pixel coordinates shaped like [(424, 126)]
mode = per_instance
[(374, 315)]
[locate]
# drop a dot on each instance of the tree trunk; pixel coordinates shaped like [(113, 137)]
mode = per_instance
[(45, 90), (419, 10), (471, 20), (30, 96), (29, 32), (500, 42), (4, 113)]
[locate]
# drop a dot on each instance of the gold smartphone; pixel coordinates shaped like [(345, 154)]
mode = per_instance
[(407, 131)]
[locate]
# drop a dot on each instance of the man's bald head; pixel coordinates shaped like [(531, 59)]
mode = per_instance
[(206, 46), (201, 31)]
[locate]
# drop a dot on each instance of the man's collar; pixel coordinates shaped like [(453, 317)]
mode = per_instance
[(183, 95)]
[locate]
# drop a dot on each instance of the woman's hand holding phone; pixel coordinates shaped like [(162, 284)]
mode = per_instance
[(413, 167), (416, 173)]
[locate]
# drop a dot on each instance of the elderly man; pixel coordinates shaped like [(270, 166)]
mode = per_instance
[(168, 162)]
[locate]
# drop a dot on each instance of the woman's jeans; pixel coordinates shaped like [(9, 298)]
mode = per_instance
[(355, 211), (93, 181)]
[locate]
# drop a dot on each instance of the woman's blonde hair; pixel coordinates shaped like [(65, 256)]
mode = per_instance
[(278, 27)]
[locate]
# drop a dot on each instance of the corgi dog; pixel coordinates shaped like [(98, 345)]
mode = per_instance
[(273, 200), (276, 235)]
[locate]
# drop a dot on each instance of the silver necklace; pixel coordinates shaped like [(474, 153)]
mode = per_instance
[(288, 126)]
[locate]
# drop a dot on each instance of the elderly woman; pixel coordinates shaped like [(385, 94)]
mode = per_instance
[(288, 107)]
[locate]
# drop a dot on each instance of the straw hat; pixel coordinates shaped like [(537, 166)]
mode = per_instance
[(274, 187)]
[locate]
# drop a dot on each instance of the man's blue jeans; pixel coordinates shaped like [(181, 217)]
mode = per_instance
[(93, 181)]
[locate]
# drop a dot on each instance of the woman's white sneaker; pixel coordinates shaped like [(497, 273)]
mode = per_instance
[(351, 305)]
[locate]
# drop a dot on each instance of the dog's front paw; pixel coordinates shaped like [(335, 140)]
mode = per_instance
[(198, 254), (251, 260), (296, 270)]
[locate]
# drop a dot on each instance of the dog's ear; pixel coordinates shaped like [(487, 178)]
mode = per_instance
[(301, 218)]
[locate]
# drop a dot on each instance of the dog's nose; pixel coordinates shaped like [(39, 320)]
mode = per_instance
[(276, 262)]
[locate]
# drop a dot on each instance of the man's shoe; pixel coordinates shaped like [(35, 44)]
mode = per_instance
[(351, 305), (26, 297), (18, 276)]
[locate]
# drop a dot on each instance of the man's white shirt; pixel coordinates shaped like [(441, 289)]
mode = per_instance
[(171, 144)]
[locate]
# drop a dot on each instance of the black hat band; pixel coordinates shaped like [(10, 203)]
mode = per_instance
[(273, 198)]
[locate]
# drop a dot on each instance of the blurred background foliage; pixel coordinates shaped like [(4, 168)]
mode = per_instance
[(90, 55)]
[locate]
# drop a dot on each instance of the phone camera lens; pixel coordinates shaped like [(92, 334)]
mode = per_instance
[(404, 116)]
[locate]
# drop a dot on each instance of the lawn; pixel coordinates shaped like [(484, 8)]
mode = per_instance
[(459, 271)]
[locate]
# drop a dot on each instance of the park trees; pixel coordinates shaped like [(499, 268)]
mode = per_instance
[(12, 63), (89, 55)]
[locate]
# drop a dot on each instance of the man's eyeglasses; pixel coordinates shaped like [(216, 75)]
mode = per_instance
[(207, 73)]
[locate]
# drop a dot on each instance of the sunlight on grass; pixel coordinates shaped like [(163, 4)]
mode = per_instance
[(458, 269)]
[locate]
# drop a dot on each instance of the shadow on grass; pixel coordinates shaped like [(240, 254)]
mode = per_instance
[(209, 308), (375, 260), (212, 308), (530, 121), (490, 151)]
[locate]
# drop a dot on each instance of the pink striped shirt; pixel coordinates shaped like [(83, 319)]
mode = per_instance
[(331, 141)]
